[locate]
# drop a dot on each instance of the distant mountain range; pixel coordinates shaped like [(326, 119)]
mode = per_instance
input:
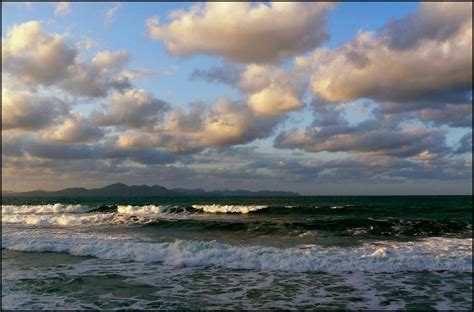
[(123, 190)]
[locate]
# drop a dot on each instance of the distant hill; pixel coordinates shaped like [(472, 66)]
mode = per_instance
[(113, 190), (123, 190)]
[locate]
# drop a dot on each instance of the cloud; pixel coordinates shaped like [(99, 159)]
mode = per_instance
[(362, 168), (61, 8), (30, 111), (74, 129), (224, 74), (244, 32), (179, 120), (434, 61), (379, 136), (132, 109), (31, 146), (85, 44), (107, 60), (105, 72), (426, 24), (142, 156), (137, 141), (452, 115), (271, 90), (225, 123), (376, 142), (231, 123), (36, 149), (35, 57), (465, 144), (255, 78), (110, 14), (274, 101)]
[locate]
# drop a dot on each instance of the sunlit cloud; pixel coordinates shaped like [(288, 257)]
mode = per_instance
[(243, 32)]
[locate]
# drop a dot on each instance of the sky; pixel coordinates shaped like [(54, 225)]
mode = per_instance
[(316, 98)]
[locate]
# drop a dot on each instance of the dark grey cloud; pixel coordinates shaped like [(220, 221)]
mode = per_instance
[(31, 111), (366, 169), (90, 81), (431, 21), (225, 123), (332, 133), (144, 156), (23, 145), (76, 128), (452, 115), (30, 145), (228, 74), (131, 109)]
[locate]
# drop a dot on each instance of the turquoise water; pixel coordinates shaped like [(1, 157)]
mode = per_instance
[(384, 252)]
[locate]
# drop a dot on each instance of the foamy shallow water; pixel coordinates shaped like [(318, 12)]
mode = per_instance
[(107, 284)]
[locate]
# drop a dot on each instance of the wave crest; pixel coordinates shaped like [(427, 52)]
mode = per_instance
[(144, 210), (57, 220), (44, 209), (228, 208), (434, 254)]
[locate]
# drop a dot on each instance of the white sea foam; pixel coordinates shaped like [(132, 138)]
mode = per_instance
[(44, 209), (433, 254), (228, 208), (57, 220), (341, 206), (143, 210)]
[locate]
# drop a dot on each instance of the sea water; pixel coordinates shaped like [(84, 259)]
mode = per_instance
[(385, 252)]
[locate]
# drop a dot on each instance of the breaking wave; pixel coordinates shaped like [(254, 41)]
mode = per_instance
[(228, 208), (44, 209), (433, 254), (57, 220), (145, 210), (225, 218)]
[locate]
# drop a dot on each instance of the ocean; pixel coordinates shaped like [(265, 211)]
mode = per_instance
[(378, 252)]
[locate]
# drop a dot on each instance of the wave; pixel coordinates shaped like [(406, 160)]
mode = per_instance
[(58, 220), (44, 209), (70, 215), (127, 209), (145, 210), (208, 208), (434, 254), (343, 206), (228, 208)]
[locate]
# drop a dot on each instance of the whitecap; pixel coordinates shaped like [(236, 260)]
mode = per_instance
[(228, 208), (57, 220), (143, 210), (44, 209)]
